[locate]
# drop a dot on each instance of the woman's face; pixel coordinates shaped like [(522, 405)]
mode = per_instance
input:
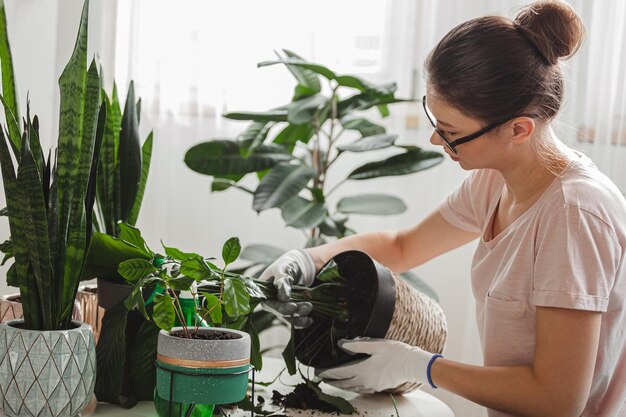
[(486, 151)]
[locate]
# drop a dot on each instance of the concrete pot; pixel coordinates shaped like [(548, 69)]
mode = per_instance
[(203, 371), (46, 373)]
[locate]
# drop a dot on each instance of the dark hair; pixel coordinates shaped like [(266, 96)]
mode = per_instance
[(494, 68)]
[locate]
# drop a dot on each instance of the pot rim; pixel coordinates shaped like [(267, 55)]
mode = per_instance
[(79, 326), (242, 335)]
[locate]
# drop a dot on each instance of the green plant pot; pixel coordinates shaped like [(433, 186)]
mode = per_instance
[(46, 373), (203, 371)]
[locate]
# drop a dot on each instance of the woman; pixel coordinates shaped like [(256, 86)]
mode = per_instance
[(549, 273)]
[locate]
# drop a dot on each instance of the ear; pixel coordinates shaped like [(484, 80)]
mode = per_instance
[(522, 129)]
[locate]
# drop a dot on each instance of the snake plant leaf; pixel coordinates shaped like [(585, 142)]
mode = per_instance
[(411, 161), (361, 125), (293, 133), (283, 182), (90, 196), (32, 126), (220, 157), (163, 313), (146, 157), (231, 251), (35, 235), (369, 143), (135, 269), (77, 243), (9, 93), (301, 213), (308, 81), (316, 68), (236, 298), (129, 155), (304, 110), (269, 116), (376, 204), (254, 136)]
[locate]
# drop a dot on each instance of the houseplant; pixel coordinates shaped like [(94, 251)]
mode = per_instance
[(49, 202), (294, 147)]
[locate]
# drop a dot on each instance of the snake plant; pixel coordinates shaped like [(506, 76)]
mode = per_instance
[(50, 199)]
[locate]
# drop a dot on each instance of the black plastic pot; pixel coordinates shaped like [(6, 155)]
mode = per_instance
[(370, 295)]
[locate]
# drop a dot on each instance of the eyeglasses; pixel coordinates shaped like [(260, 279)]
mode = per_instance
[(452, 144)]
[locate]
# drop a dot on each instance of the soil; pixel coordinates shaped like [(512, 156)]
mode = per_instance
[(360, 294), (207, 335), (302, 398)]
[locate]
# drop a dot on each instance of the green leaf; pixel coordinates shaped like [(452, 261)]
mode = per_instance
[(221, 184), (301, 213), (135, 269), (377, 204), (365, 86), (12, 276), (146, 157), (369, 143), (254, 136), (259, 253), (304, 110), (163, 314), (181, 283), (107, 252), (213, 307), (317, 68), (289, 354), (222, 157), (178, 254), (135, 301), (9, 93), (413, 160), (329, 273), (196, 268), (283, 182), (269, 116), (236, 298), (308, 81), (231, 250), (293, 133), (341, 404), (141, 357), (255, 345), (364, 101), (361, 125), (133, 235), (129, 155)]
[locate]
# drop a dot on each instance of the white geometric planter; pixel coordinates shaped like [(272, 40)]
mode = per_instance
[(46, 373)]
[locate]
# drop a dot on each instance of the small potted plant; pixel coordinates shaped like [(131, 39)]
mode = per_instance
[(47, 361)]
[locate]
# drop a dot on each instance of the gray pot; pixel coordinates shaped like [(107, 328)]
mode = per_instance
[(46, 373)]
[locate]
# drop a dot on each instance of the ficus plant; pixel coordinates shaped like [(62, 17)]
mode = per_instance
[(294, 148)]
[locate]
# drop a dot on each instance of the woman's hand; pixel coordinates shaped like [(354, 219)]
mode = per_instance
[(391, 363)]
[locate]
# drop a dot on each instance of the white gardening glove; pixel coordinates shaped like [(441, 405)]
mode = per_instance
[(295, 267), (391, 363)]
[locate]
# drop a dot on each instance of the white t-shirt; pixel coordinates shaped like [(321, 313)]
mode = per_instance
[(567, 250)]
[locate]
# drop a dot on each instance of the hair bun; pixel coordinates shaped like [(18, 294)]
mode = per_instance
[(553, 27)]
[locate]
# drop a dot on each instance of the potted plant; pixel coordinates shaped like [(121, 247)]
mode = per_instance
[(294, 147), (49, 202)]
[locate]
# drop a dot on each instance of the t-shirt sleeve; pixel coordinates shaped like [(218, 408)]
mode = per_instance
[(460, 208), (576, 260)]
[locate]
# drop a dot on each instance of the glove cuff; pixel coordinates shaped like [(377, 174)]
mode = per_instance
[(308, 266)]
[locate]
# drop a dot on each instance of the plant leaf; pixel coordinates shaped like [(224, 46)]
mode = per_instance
[(178, 254), (163, 313), (146, 157), (196, 268), (369, 143), (254, 136), (107, 252), (213, 307), (283, 182), (259, 253), (413, 160), (341, 404), (269, 116), (236, 298), (9, 93), (302, 111), (133, 235), (377, 204), (222, 157), (308, 80), (361, 125), (289, 353), (181, 283), (317, 68), (129, 155), (231, 250), (293, 133), (135, 269), (301, 213), (141, 358)]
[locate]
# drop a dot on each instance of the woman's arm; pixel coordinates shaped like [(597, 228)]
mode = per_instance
[(400, 250), (558, 382)]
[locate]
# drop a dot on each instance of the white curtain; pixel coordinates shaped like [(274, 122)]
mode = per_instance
[(193, 60)]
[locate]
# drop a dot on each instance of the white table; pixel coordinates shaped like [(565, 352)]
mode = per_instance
[(415, 404)]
